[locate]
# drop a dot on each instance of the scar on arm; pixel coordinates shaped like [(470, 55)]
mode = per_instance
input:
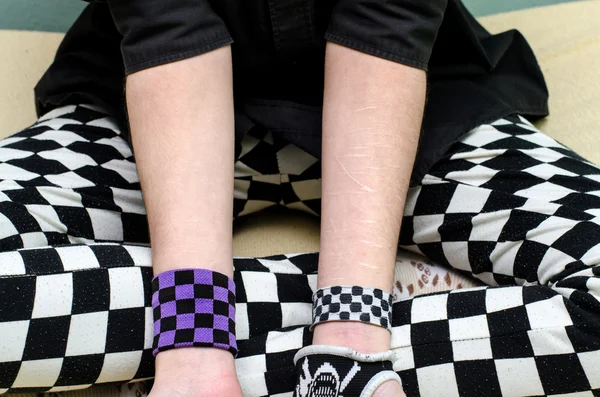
[(365, 108), (349, 174), (368, 265)]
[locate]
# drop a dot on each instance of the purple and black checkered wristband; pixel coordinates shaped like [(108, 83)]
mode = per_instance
[(193, 307)]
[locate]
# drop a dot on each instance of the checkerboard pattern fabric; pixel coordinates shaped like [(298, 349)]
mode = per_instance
[(193, 307), (508, 204), (341, 303), (270, 171), (76, 326)]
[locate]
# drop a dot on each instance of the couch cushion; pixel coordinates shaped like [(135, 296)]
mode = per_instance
[(24, 57)]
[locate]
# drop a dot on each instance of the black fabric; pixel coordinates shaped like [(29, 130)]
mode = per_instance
[(279, 51), (156, 32), (402, 31)]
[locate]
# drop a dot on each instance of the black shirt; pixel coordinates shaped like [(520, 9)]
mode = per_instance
[(278, 57)]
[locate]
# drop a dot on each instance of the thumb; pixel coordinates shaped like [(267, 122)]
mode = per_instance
[(389, 389)]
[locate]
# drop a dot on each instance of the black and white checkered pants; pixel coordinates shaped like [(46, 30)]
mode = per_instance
[(508, 205)]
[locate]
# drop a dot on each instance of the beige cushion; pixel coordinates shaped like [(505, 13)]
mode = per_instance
[(23, 58)]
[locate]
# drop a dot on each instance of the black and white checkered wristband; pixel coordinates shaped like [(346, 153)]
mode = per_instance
[(363, 304), (193, 307), (341, 371)]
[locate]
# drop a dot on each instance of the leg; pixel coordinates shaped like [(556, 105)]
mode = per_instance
[(520, 212), (534, 331), (74, 250), (69, 179), (72, 256)]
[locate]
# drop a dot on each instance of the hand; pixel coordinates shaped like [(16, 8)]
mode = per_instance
[(389, 389), (362, 337), (195, 372)]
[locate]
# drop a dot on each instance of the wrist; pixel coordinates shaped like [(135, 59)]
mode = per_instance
[(194, 372), (194, 365), (362, 337)]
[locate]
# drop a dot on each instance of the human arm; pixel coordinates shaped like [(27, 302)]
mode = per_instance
[(375, 83), (181, 119), (372, 116), (371, 126), (180, 107)]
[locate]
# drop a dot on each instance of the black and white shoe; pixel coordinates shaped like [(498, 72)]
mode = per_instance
[(331, 371)]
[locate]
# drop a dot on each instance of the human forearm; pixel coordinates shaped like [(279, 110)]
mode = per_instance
[(181, 118), (373, 110)]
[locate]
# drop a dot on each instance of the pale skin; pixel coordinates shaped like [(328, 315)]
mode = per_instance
[(181, 117)]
